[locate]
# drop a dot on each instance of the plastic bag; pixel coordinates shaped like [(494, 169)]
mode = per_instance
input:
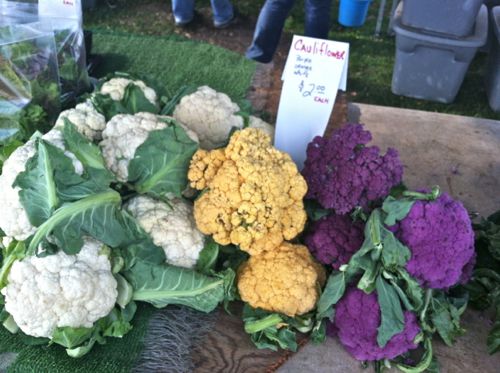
[(29, 81), (69, 40), (71, 58)]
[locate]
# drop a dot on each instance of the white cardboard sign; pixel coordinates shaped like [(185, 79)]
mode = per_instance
[(315, 70)]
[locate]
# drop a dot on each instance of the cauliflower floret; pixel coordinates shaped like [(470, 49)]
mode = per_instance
[(357, 318), (256, 122), (115, 88), (86, 119), (60, 290), (342, 172), (210, 114), (171, 227), (14, 220), (440, 237), (124, 133), (285, 280), (253, 194), (334, 239)]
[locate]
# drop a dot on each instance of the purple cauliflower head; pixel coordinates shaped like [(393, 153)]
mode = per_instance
[(357, 318), (334, 239), (440, 237), (342, 172)]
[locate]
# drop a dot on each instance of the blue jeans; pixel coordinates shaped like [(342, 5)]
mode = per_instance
[(272, 20), (184, 11)]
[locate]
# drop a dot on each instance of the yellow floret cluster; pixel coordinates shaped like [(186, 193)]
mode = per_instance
[(285, 280), (253, 197), (253, 193)]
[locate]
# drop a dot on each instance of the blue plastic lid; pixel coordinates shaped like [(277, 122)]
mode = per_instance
[(476, 40)]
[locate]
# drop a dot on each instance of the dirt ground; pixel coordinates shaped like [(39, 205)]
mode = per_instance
[(264, 94)]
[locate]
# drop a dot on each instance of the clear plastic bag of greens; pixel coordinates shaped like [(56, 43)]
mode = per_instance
[(66, 23), (29, 82), (71, 58)]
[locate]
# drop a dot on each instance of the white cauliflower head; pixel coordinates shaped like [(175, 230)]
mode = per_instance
[(171, 227), (86, 119), (256, 122), (60, 290), (123, 134), (210, 114), (115, 87), (13, 219)]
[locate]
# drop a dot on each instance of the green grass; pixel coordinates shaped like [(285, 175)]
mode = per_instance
[(371, 59), (171, 62), (116, 356)]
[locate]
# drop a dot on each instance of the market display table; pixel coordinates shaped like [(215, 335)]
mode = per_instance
[(462, 154)]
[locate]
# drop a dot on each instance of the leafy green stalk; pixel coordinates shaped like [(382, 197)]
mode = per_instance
[(271, 330), (256, 326), (163, 284), (424, 364), (38, 182), (89, 215), (172, 102), (431, 196), (15, 251), (133, 101), (84, 150), (393, 321), (125, 291), (397, 208), (208, 257), (79, 341), (10, 325), (169, 152)]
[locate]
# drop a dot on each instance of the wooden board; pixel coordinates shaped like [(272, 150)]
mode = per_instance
[(227, 348)]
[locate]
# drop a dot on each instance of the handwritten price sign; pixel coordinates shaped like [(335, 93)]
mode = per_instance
[(315, 70)]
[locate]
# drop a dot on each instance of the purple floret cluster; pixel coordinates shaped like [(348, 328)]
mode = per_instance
[(343, 173), (334, 239), (440, 237), (357, 318)]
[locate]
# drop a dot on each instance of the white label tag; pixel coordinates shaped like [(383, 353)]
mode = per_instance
[(315, 70), (60, 8)]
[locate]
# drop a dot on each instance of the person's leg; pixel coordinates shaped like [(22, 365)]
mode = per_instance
[(183, 11), (223, 12), (318, 18), (268, 29)]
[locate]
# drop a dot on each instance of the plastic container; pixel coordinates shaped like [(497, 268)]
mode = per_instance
[(352, 13), (448, 17), (493, 72), (431, 67)]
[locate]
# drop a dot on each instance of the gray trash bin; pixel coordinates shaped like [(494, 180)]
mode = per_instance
[(431, 67), (493, 74), (450, 17)]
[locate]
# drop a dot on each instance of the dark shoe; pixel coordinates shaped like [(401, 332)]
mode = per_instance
[(196, 18), (183, 24), (221, 26), (230, 22)]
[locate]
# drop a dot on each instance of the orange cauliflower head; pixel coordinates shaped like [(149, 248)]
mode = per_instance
[(253, 194), (286, 280)]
